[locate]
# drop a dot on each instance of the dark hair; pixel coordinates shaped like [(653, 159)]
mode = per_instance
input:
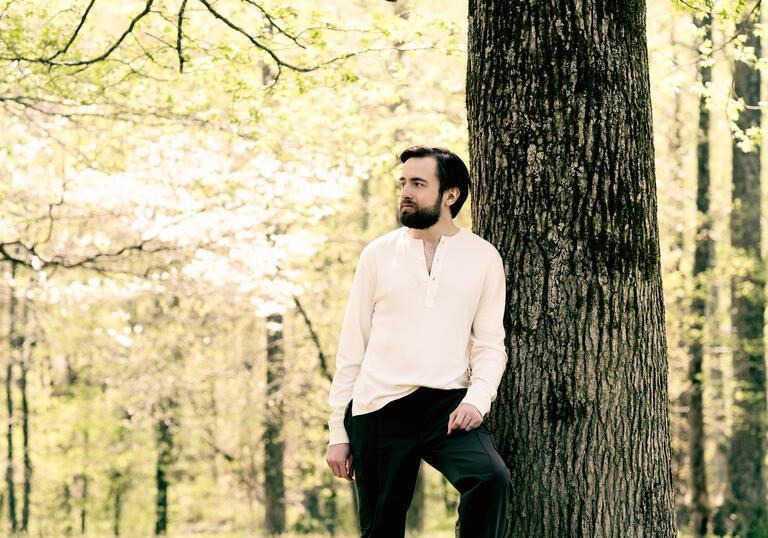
[(451, 171)]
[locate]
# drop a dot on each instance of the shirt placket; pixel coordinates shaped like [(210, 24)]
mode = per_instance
[(433, 281)]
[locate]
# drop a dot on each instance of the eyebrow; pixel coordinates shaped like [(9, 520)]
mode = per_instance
[(414, 179)]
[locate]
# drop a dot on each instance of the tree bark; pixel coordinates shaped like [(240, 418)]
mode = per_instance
[(274, 444), (746, 458), (561, 148), (702, 260)]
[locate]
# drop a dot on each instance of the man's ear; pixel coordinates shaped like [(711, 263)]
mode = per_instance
[(451, 195)]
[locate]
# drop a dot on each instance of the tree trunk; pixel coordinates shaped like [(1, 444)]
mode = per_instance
[(746, 459), (66, 505), (84, 498), (12, 348), (702, 260), (561, 147), (274, 444), (116, 487), (677, 318), (165, 442), (26, 351)]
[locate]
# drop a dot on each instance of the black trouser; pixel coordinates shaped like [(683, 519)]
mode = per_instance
[(388, 446)]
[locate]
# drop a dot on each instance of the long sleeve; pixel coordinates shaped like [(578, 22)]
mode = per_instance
[(488, 355), (352, 343)]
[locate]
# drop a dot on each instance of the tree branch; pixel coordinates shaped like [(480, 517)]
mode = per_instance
[(110, 50), (739, 31), (74, 34), (320, 355), (280, 63), (85, 262), (254, 40), (58, 203), (116, 112), (695, 8), (226, 455), (274, 24), (178, 35)]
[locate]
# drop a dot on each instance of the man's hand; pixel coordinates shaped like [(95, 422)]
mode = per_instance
[(465, 417), (339, 459)]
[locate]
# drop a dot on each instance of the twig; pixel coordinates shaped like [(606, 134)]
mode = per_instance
[(273, 23), (695, 8)]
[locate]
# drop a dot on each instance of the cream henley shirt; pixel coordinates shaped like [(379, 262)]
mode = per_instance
[(405, 327)]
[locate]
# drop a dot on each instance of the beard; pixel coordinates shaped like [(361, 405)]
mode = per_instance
[(419, 217)]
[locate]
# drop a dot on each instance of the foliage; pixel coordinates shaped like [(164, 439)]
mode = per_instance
[(163, 197)]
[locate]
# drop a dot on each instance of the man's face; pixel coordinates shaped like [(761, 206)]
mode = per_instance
[(420, 198)]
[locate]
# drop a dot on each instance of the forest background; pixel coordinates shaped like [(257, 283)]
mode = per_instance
[(185, 189)]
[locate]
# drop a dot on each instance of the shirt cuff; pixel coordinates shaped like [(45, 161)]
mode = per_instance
[(338, 436), (480, 401)]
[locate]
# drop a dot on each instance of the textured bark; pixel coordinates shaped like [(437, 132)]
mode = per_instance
[(14, 345), (274, 444), (702, 259), (746, 459), (560, 140)]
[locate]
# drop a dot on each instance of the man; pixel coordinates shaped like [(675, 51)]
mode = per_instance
[(420, 358)]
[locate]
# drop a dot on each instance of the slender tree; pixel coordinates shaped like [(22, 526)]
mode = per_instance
[(164, 435), (561, 147), (12, 349), (116, 493), (699, 509), (747, 501), (676, 324), (24, 360), (274, 444)]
